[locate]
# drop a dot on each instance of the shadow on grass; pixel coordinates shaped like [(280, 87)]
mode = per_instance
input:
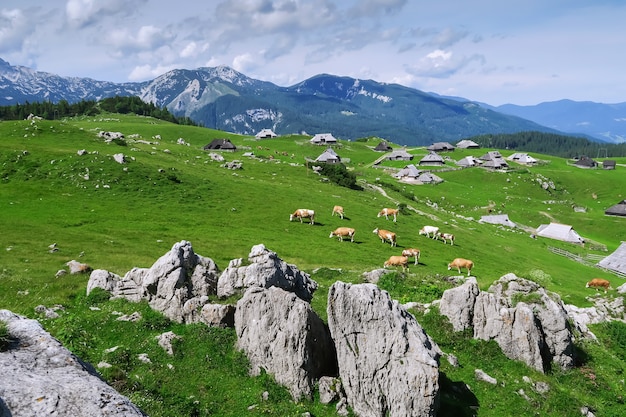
[(456, 399)]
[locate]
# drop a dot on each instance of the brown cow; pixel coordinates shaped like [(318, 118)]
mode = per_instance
[(599, 283)]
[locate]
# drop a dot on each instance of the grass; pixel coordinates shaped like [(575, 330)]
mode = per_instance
[(117, 217)]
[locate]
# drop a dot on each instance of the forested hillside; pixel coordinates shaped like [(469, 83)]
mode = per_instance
[(550, 144)]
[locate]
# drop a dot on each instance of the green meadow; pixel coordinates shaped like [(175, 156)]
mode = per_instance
[(119, 216)]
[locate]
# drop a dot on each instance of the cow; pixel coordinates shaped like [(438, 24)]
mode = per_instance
[(386, 235), (342, 232), (427, 230), (412, 252), (459, 263), (402, 261), (388, 212), (302, 213), (445, 237), (338, 210), (599, 283)]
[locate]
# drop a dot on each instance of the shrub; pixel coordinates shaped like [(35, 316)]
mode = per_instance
[(338, 174), (97, 296), (5, 338), (154, 320)]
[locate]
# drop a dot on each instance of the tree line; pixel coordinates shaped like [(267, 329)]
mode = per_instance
[(550, 144), (123, 105)]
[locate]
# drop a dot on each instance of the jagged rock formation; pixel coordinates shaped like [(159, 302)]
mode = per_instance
[(40, 377), (458, 304), (265, 269), (388, 365), (280, 333), (177, 284), (527, 322)]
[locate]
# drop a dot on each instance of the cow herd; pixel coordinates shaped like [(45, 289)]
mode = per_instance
[(387, 236), (402, 260)]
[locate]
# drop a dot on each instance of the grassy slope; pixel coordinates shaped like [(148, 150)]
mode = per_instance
[(122, 216)]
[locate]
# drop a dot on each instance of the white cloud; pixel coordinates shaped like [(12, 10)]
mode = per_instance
[(244, 63), (441, 64), (193, 49), (146, 72), (15, 27), (82, 13), (146, 38)]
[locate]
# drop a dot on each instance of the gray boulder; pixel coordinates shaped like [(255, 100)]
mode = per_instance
[(280, 333), (218, 315), (177, 284), (40, 377), (388, 365), (458, 304), (527, 322), (264, 269)]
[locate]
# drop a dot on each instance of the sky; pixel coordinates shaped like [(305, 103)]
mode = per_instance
[(491, 51)]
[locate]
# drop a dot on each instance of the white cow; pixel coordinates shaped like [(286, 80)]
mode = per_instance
[(427, 230), (342, 232), (303, 213)]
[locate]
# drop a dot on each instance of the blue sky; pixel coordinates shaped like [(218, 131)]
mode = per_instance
[(491, 51)]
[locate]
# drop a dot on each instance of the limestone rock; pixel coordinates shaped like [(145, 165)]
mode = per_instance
[(527, 322), (40, 377), (280, 333), (218, 315), (330, 389), (264, 269), (177, 284), (481, 375), (375, 275), (388, 365), (458, 304), (165, 341)]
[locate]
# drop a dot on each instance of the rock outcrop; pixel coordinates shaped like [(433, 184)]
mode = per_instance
[(40, 377), (264, 269), (388, 365), (177, 284), (280, 333), (527, 322), (458, 304)]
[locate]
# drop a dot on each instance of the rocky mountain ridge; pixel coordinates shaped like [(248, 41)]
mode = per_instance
[(224, 99)]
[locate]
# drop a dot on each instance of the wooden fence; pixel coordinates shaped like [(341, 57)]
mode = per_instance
[(588, 259)]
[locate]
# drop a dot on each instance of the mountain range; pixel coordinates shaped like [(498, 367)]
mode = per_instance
[(349, 108)]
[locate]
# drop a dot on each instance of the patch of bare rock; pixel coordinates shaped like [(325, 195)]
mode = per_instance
[(39, 377)]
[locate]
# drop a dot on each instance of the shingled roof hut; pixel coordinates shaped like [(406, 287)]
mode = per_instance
[(220, 145), (616, 261), (618, 209)]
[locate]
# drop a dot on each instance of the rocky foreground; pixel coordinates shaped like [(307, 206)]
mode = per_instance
[(372, 356)]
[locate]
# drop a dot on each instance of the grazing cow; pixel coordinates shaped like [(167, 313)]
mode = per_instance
[(459, 263), (342, 232), (302, 213), (402, 261), (338, 210), (386, 235), (599, 283), (388, 212), (427, 230), (445, 237), (412, 252)]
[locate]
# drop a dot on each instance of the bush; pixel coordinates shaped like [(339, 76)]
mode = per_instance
[(5, 338), (97, 296), (338, 174), (154, 320)]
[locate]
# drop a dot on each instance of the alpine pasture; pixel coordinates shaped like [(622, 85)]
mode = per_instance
[(118, 216)]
